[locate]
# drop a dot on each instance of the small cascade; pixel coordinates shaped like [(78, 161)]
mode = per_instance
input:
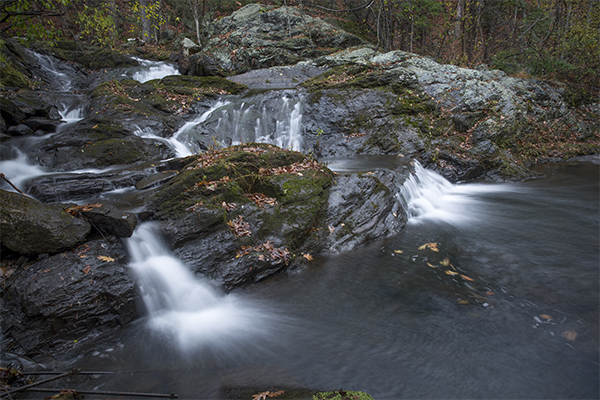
[(269, 117), (187, 310), (426, 195), (49, 70), (150, 70), (182, 141), (18, 170)]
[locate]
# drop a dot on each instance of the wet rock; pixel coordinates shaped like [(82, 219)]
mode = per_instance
[(30, 227), (109, 220), (63, 300), (361, 209), (81, 186), (20, 130)]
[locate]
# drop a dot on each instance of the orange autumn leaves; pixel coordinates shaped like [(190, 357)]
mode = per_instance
[(444, 263)]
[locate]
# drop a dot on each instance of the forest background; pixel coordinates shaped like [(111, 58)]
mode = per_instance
[(552, 40)]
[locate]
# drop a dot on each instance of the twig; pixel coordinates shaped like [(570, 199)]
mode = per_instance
[(10, 183), (22, 388)]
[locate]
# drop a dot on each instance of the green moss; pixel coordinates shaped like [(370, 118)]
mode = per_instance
[(114, 152), (12, 77), (342, 395)]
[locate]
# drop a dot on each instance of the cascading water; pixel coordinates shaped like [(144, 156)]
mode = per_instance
[(269, 117), (426, 195), (49, 71), (153, 70), (187, 310)]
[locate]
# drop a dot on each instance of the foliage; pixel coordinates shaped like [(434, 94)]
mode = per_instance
[(31, 18), (98, 24)]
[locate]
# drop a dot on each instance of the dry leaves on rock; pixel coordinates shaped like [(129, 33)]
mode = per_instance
[(106, 258), (268, 251), (261, 200), (74, 210), (239, 227), (295, 168)]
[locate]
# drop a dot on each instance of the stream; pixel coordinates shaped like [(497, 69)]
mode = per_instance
[(491, 291)]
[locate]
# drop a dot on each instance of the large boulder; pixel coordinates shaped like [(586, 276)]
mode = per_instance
[(243, 213), (460, 122), (259, 36), (57, 303), (30, 227)]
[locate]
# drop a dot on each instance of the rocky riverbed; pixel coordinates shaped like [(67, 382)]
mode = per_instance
[(240, 213)]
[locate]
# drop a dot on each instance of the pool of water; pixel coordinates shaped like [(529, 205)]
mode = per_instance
[(493, 294)]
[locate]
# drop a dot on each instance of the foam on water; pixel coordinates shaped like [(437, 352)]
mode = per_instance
[(153, 70), (19, 170), (185, 309)]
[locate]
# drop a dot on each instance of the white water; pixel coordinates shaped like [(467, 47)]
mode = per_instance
[(187, 310), (274, 117), (153, 70), (428, 196), (50, 72), (19, 170), (182, 142)]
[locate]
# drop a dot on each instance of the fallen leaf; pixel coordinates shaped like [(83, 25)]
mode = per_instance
[(331, 228), (86, 269), (569, 335), (489, 293), (308, 257), (466, 278), (430, 246), (451, 273), (431, 265), (82, 256), (445, 262), (462, 302), (106, 258), (546, 316), (398, 251)]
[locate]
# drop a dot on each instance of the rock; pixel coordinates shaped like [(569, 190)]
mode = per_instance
[(64, 300), (110, 221), (188, 47), (30, 227), (20, 130), (361, 209), (258, 36)]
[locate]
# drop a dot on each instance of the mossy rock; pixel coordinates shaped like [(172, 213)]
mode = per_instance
[(92, 57)]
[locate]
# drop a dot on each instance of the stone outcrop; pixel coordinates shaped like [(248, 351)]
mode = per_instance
[(258, 36), (30, 227)]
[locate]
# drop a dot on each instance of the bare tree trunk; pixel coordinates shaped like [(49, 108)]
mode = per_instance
[(146, 35)]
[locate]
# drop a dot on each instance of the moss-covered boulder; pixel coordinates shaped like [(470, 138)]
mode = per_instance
[(30, 227), (92, 57), (245, 212)]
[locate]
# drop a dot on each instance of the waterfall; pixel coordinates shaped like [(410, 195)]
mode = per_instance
[(153, 70), (49, 71), (426, 195), (269, 117), (189, 311)]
